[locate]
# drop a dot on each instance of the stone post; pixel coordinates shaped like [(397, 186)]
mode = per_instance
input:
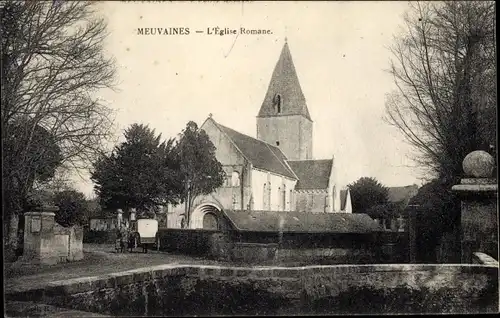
[(119, 218), (132, 214), (38, 233), (478, 193)]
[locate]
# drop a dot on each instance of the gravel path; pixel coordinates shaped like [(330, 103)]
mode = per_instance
[(99, 260)]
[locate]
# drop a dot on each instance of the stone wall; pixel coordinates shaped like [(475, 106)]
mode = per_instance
[(251, 253), (289, 248), (99, 237), (189, 241), (339, 289)]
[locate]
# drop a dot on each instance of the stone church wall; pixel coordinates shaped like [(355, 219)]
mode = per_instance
[(294, 134), (259, 178), (312, 202)]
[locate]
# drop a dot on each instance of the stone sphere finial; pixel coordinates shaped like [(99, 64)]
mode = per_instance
[(478, 164)]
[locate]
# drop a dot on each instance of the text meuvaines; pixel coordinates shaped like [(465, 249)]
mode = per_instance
[(164, 31)]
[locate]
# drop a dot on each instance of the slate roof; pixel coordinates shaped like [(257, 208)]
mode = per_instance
[(312, 174), (285, 82), (260, 154), (269, 221), (402, 194)]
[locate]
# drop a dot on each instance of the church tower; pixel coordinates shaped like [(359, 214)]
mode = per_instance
[(284, 119)]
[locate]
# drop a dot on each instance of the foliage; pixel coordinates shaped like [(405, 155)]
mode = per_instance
[(52, 63), (73, 208), (445, 72), (367, 192), (437, 216), (438, 205), (390, 210), (40, 153), (94, 209), (142, 172), (200, 170), (38, 198)]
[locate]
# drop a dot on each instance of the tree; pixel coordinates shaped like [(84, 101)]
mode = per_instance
[(438, 207), (444, 68), (52, 64), (142, 172), (367, 192), (94, 209), (73, 208), (390, 210), (201, 172), (438, 198), (42, 156)]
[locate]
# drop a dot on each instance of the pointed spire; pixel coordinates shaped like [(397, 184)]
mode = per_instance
[(284, 95)]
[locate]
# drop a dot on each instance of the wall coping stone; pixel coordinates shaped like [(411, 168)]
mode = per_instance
[(40, 213), (46, 208), (475, 188), (485, 259), (478, 181), (84, 284)]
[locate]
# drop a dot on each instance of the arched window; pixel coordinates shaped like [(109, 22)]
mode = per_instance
[(283, 197), (227, 179), (269, 196), (277, 103), (235, 179), (279, 199), (264, 197)]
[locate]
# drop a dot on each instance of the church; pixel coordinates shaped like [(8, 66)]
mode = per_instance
[(275, 171)]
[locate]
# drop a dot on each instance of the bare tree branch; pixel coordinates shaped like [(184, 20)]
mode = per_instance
[(53, 63), (444, 70)]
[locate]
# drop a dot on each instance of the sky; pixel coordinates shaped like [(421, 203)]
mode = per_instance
[(340, 52)]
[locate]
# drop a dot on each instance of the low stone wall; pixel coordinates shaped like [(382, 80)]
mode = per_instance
[(292, 248), (326, 256), (264, 254), (31, 309), (168, 290), (99, 237), (67, 243), (254, 252), (191, 241)]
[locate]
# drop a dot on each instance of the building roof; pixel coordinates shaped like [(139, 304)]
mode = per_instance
[(285, 83), (312, 174), (402, 194), (260, 154), (269, 221)]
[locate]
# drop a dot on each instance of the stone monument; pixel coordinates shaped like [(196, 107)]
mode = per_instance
[(38, 231), (479, 217)]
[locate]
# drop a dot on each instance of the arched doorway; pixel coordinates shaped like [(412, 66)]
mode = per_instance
[(204, 216), (210, 222)]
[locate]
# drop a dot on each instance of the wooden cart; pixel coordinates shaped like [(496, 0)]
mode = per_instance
[(143, 234)]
